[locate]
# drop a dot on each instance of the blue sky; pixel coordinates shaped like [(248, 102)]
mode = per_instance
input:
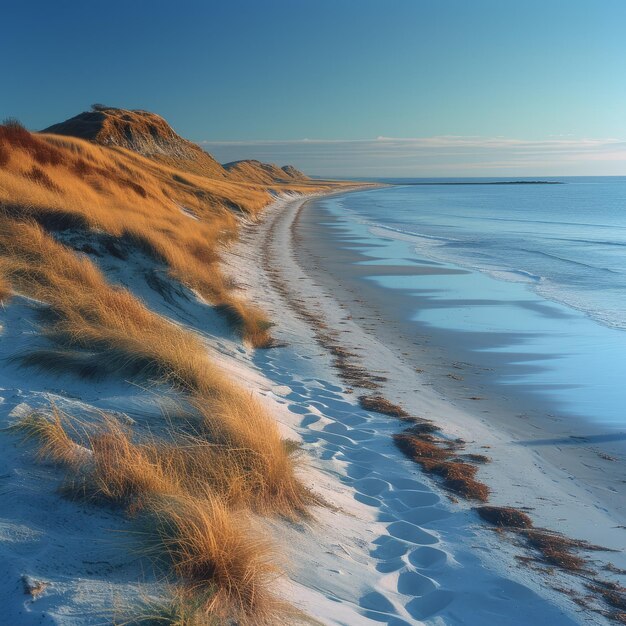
[(340, 87)]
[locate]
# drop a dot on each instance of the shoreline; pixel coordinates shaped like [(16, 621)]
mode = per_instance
[(556, 500), (493, 415)]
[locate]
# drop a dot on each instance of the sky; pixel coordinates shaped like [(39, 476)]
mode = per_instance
[(340, 87)]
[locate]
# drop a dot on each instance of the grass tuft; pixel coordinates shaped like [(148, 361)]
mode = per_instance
[(55, 444), (5, 288), (14, 136), (213, 550), (223, 564)]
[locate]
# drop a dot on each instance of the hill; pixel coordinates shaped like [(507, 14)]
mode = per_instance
[(129, 188), (140, 131), (263, 173), (151, 136)]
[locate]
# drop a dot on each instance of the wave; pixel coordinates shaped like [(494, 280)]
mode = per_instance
[(411, 233), (551, 255), (513, 274), (595, 242), (588, 289)]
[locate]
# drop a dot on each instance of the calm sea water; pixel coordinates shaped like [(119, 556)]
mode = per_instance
[(547, 269)]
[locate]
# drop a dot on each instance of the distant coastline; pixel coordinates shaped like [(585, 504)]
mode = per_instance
[(499, 182)]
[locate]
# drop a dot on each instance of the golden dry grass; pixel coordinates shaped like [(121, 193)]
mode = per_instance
[(205, 535), (64, 182), (115, 331), (240, 425), (54, 443), (101, 329), (5, 289), (211, 547)]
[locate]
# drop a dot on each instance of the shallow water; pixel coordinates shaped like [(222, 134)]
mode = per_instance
[(531, 278)]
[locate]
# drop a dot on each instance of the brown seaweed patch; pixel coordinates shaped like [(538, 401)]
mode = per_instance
[(429, 452), (504, 516), (379, 404)]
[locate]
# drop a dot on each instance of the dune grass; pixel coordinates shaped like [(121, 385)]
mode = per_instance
[(211, 549), (229, 459), (190, 505), (5, 289), (62, 183), (100, 329)]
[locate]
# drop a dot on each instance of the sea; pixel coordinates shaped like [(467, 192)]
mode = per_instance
[(531, 277)]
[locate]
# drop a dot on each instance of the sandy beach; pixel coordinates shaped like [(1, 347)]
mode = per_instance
[(581, 452), (569, 488), (390, 545)]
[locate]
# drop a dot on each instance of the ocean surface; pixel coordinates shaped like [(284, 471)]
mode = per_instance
[(544, 281)]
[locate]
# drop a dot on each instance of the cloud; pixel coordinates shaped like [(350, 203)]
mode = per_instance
[(445, 155)]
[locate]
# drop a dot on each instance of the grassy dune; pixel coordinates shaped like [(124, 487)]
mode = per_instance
[(197, 488), (190, 505), (62, 182), (225, 459)]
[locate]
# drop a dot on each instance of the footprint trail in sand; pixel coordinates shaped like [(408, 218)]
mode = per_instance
[(425, 560)]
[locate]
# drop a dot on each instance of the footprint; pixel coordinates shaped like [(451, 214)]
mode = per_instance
[(386, 567), (309, 418), (352, 433), (296, 397), (365, 455), (328, 386), (414, 584), (338, 440), (426, 606), (310, 437), (425, 515), (426, 557), (299, 409), (360, 497), (327, 455), (389, 548), (371, 486), (350, 419), (410, 532), (414, 499), (376, 601), (358, 471), (337, 428), (406, 483)]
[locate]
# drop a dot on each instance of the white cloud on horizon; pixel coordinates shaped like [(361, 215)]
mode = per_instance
[(446, 155)]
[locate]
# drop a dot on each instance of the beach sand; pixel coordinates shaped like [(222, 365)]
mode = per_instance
[(565, 487)]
